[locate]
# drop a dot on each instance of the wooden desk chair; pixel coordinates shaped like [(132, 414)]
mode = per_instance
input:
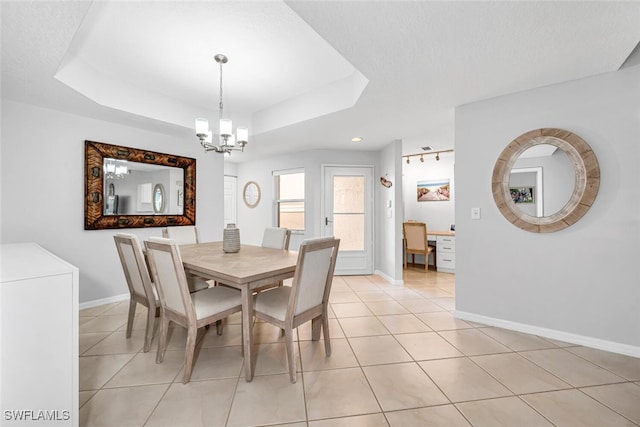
[(288, 307), (141, 289), (178, 305), (415, 242)]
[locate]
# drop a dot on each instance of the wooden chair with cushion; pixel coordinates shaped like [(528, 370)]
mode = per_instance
[(186, 235), (141, 289), (178, 305), (287, 307), (276, 238), (181, 235), (415, 242)]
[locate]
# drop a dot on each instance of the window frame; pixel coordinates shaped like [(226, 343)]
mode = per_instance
[(277, 201)]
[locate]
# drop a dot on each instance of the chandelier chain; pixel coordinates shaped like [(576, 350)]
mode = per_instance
[(220, 106)]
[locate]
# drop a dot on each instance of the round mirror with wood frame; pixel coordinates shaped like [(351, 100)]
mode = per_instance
[(586, 173)]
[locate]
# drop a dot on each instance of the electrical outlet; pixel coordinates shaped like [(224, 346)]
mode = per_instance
[(475, 213)]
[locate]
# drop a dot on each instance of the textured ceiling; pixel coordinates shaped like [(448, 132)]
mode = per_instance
[(303, 74)]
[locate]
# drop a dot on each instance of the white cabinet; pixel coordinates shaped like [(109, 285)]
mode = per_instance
[(39, 341), (446, 253)]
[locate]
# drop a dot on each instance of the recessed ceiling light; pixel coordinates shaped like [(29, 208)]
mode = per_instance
[(356, 139)]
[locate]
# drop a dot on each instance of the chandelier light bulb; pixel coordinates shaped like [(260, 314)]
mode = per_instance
[(242, 135), (202, 126), (226, 127)]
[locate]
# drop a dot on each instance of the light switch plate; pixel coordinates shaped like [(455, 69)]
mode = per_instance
[(475, 213)]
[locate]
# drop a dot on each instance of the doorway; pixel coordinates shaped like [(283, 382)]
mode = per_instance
[(348, 215)]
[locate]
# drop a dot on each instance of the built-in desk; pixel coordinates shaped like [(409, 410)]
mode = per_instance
[(445, 249)]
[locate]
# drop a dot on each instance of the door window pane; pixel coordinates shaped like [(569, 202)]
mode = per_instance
[(349, 228), (348, 212), (348, 194)]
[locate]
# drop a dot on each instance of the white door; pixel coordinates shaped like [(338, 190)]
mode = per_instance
[(230, 200), (348, 215)]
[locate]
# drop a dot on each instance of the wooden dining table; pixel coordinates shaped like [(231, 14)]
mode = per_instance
[(250, 268)]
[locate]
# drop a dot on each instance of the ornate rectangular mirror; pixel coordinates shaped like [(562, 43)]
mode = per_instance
[(131, 188)]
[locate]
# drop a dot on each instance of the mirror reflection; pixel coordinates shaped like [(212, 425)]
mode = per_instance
[(158, 199), (134, 188), (542, 180)]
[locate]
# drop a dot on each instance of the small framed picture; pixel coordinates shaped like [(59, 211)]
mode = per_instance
[(433, 190), (522, 194)]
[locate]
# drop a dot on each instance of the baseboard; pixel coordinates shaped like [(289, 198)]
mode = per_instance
[(388, 278), (614, 347), (97, 302)]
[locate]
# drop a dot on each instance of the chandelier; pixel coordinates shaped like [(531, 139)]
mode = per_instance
[(115, 169), (226, 140)]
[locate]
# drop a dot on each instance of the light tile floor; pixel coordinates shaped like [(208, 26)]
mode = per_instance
[(399, 358)]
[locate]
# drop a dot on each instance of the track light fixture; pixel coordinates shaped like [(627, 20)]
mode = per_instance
[(421, 155)]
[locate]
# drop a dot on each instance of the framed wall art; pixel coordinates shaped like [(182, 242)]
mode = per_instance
[(433, 190)]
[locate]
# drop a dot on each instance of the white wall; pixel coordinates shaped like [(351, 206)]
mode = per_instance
[(580, 283), (42, 177), (389, 211), (438, 215)]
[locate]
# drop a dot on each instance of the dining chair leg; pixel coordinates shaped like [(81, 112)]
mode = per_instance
[(132, 313), (290, 354), (162, 339), (325, 334), (148, 334), (219, 327), (316, 325), (192, 333)]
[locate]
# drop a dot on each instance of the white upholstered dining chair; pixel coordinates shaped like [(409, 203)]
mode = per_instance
[(186, 235), (189, 310), (287, 307), (181, 235), (141, 289), (415, 242), (276, 238)]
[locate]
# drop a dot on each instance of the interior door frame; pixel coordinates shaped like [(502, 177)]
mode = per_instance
[(371, 209)]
